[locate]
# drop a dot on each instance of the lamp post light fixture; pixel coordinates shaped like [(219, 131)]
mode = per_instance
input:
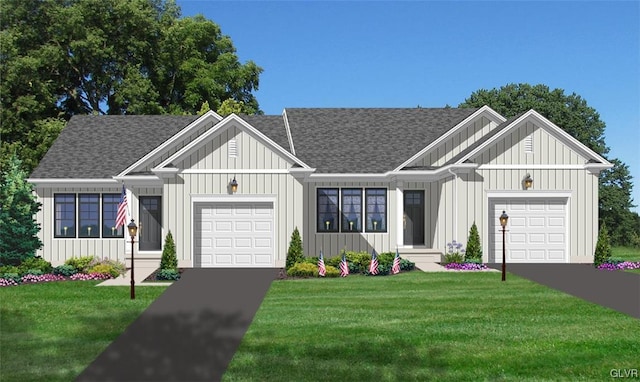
[(133, 231), (234, 185), (528, 181), (504, 218)]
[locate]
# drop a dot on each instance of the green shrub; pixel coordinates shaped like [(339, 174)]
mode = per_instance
[(9, 269), (65, 270), (474, 249), (615, 260), (168, 274), (107, 269), (407, 265), (603, 247), (169, 259), (35, 263), (33, 271), (455, 257), (81, 264), (295, 254), (473, 261), (303, 269), (331, 271), (11, 276)]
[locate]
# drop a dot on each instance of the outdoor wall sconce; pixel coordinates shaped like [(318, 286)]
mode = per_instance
[(504, 218), (528, 181), (133, 231), (234, 185)]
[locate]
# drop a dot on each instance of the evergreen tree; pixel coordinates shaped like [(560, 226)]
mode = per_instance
[(295, 253), (18, 229), (169, 259), (603, 247), (474, 249)]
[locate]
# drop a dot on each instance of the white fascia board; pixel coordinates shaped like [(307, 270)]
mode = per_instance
[(216, 198), (179, 135), (288, 129), (528, 194), (348, 177), (483, 111), (139, 180), (442, 172), (61, 182), (226, 123), (595, 168)]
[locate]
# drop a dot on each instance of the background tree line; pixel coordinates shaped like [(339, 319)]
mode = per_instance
[(59, 58)]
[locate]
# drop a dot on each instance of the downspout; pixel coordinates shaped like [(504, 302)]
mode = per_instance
[(455, 205)]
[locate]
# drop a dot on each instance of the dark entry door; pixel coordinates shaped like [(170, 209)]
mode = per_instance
[(150, 233), (413, 217)]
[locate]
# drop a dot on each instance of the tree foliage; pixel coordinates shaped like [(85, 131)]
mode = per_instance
[(576, 117), (474, 249), (169, 259), (61, 58), (18, 229), (295, 253), (603, 247)]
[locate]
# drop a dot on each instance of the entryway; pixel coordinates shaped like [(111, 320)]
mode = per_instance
[(413, 220)]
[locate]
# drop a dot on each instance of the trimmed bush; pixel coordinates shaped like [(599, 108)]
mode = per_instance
[(105, 269), (81, 264), (603, 247), (13, 277), (331, 271), (295, 254), (474, 249), (65, 270), (35, 263), (454, 257), (169, 259), (302, 269), (168, 274)]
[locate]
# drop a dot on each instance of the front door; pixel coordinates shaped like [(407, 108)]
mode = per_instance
[(150, 230), (413, 220)]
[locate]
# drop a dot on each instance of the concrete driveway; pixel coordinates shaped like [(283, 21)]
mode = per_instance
[(617, 290), (190, 333)]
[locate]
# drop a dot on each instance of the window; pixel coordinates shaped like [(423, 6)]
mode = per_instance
[(327, 210), (351, 210), (376, 199), (64, 206), (109, 213), (88, 215)]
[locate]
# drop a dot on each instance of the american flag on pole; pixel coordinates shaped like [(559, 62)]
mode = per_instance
[(344, 266), (373, 268), (395, 268), (121, 217), (322, 270)]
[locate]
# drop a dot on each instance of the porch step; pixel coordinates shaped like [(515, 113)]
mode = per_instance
[(424, 258)]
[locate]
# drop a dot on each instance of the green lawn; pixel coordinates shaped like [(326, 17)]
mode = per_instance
[(432, 326), (53, 331), (627, 253)]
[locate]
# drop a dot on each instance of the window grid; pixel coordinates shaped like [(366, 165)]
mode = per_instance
[(376, 200), (327, 219), (351, 210), (64, 206), (109, 214)]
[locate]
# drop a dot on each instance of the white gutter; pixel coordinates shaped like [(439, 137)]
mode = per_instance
[(455, 205)]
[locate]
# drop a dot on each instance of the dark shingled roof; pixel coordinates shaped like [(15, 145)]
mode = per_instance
[(330, 140), (366, 140), (101, 146)]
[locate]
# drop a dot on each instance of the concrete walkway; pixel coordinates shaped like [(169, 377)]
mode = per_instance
[(141, 273), (617, 290), (190, 332)]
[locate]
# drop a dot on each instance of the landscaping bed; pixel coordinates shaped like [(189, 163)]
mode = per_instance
[(154, 276)]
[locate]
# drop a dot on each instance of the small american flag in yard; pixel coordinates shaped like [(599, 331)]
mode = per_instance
[(395, 268), (121, 217), (321, 268), (344, 266), (373, 268)]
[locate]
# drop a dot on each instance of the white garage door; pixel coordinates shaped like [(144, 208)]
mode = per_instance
[(234, 235), (536, 231)]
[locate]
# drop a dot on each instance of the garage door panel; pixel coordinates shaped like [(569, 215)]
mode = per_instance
[(536, 231), (234, 234)]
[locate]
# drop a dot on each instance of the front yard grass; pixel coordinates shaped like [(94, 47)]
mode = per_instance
[(628, 254), (432, 326), (53, 331)]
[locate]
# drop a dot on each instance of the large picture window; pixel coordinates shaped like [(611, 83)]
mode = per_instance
[(376, 199), (89, 215), (64, 206), (327, 210), (109, 213), (351, 210)]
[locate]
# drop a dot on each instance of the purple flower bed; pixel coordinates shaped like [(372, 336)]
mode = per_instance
[(619, 266), (466, 266), (33, 279)]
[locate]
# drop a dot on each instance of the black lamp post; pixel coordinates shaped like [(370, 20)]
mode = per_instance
[(133, 230), (503, 222)]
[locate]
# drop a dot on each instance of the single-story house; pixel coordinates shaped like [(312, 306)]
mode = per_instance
[(353, 178)]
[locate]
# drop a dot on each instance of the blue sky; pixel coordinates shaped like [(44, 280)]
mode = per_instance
[(405, 54)]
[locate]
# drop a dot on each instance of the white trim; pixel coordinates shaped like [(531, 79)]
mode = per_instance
[(218, 198), (528, 194), (232, 171), (400, 214), (485, 110), (288, 129), (140, 180), (180, 134), (493, 195), (224, 124), (75, 182), (565, 137), (532, 167)]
